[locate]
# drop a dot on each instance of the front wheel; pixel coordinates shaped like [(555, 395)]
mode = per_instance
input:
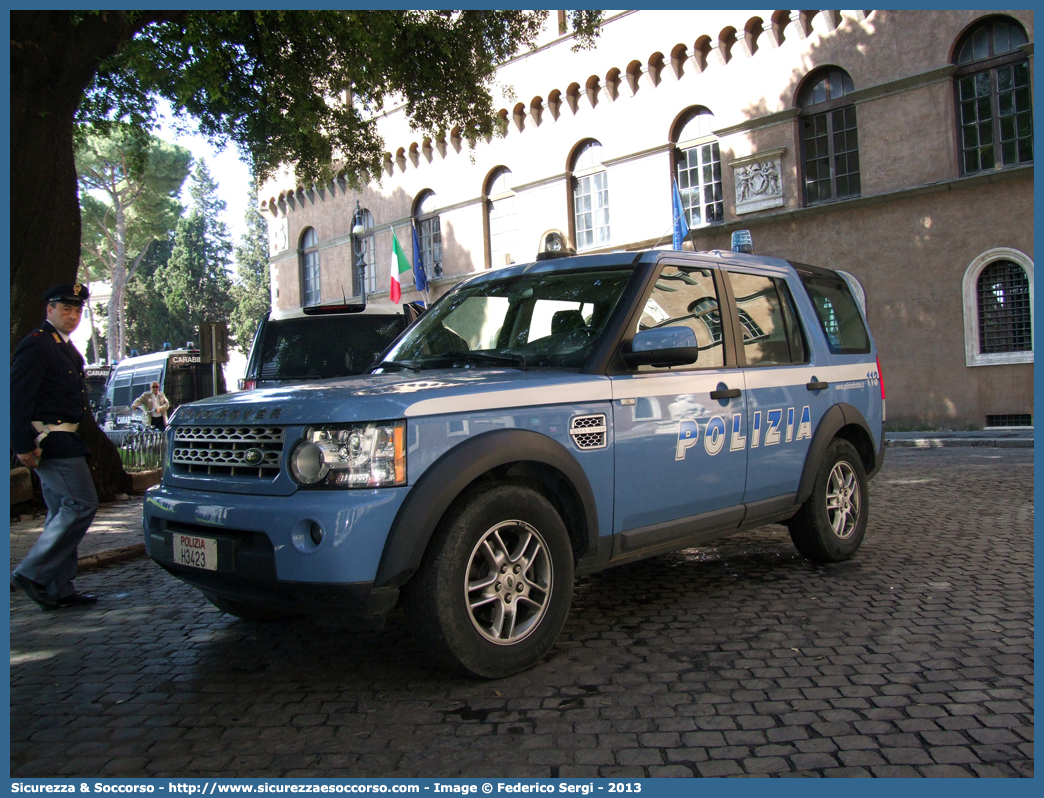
[(831, 523), (495, 586)]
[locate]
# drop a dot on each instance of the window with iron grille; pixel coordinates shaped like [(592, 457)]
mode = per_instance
[(590, 197), (1009, 420), (698, 168), (1005, 324), (429, 235), (500, 209), (829, 137), (310, 292), (369, 255), (994, 103)]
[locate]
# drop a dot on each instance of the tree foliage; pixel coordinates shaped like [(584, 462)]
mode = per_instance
[(150, 323), (195, 283), (264, 79), (251, 293), (241, 75), (126, 203)]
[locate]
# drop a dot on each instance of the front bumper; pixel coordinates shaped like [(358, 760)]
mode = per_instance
[(267, 554)]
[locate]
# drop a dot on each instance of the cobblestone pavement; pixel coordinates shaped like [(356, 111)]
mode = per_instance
[(915, 658)]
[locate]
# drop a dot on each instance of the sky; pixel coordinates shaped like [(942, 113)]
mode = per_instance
[(228, 171)]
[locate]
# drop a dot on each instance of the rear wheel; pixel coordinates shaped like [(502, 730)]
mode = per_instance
[(495, 586), (248, 612), (831, 523)]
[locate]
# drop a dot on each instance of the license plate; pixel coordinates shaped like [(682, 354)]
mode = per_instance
[(195, 552)]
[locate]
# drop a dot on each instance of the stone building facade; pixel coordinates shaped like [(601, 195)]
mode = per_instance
[(893, 145)]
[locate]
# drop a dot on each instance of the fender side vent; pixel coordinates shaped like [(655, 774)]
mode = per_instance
[(588, 432)]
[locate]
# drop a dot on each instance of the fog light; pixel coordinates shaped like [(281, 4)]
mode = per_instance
[(307, 464), (316, 533)]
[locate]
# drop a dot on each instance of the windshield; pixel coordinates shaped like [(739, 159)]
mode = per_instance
[(543, 319)]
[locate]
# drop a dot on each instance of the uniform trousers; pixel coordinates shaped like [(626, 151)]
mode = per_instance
[(72, 502)]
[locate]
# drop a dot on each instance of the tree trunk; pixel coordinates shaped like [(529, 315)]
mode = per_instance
[(53, 60), (106, 467)]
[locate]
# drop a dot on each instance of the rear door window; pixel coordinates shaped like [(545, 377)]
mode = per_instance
[(838, 313), (771, 336)]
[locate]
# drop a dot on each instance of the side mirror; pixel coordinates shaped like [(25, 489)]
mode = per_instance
[(661, 347)]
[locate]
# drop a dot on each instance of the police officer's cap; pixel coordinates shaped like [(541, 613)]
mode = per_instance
[(69, 293)]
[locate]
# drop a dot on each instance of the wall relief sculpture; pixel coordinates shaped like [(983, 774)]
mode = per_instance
[(759, 181)]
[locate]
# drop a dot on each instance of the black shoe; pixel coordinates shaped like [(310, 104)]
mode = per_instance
[(34, 591), (77, 600)]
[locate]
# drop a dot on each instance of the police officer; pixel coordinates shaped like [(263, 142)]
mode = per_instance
[(48, 399)]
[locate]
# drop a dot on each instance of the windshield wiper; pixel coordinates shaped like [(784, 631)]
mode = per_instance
[(397, 365), (514, 361)]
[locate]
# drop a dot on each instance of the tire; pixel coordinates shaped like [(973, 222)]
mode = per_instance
[(475, 620), (831, 523), (248, 612)]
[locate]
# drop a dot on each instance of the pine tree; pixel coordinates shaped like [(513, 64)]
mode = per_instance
[(195, 284), (128, 200), (252, 291), (150, 323)]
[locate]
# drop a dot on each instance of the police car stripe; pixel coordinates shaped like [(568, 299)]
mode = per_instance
[(576, 393), (643, 385), (787, 376)]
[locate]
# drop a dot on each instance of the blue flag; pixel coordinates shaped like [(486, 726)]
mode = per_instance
[(420, 279), (681, 227)]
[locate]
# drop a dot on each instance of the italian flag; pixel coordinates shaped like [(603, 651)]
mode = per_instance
[(399, 264)]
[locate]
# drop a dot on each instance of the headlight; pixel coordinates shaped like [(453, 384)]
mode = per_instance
[(351, 456)]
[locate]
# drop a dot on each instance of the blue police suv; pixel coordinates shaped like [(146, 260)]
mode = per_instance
[(539, 422)]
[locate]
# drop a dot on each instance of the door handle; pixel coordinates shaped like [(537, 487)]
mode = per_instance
[(817, 386), (728, 393)]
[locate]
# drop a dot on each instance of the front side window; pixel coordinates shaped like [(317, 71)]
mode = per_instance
[(698, 172), (829, 137), (590, 198), (533, 320), (686, 296), (994, 104), (429, 235), (310, 293)]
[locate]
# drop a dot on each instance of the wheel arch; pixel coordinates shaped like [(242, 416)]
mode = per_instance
[(840, 421), (505, 455)]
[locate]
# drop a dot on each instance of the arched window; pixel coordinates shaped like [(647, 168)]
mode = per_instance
[(590, 197), (829, 141), (698, 169), (998, 308), (500, 209), (369, 251), (429, 233), (994, 104), (309, 255)]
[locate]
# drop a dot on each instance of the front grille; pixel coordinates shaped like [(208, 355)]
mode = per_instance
[(228, 451), (588, 432)]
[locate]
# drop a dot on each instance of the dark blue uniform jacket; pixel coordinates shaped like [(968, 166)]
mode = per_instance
[(47, 384)]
